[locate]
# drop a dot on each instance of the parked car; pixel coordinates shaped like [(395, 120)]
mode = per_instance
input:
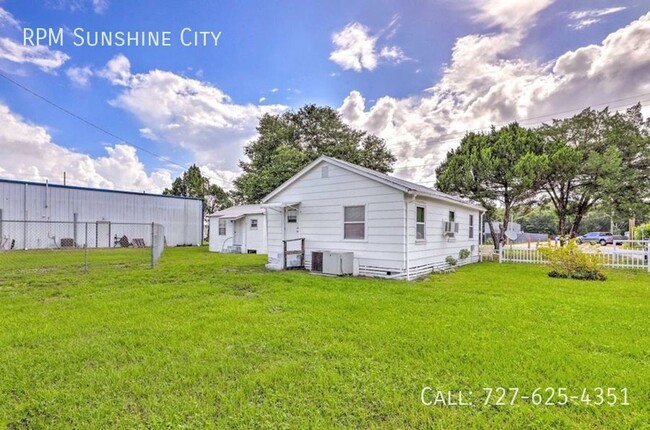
[(601, 237)]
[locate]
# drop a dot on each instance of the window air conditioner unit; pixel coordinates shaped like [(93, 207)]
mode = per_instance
[(449, 228), (332, 263)]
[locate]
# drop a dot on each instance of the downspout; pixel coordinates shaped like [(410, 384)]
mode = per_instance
[(47, 196), (406, 236), (202, 223)]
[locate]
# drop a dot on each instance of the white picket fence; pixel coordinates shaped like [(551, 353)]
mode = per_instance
[(626, 254)]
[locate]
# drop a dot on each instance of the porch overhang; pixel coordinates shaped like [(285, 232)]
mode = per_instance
[(280, 205)]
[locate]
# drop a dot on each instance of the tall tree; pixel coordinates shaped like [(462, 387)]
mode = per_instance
[(500, 169), (192, 183), (288, 142), (594, 157), (537, 219)]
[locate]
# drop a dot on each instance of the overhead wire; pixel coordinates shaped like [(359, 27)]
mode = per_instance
[(90, 123)]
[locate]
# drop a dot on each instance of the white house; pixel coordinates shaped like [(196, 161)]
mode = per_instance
[(239, 229), (387, 226)]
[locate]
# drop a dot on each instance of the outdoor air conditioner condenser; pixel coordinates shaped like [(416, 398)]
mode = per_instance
[(337, 263)]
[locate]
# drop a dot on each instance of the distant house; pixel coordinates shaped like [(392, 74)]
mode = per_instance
[(512, 233), (337, 217), (239, 229)]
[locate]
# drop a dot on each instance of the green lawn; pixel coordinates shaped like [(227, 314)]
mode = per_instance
[(208, 340)]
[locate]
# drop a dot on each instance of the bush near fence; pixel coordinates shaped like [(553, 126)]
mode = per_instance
[(628, 254)]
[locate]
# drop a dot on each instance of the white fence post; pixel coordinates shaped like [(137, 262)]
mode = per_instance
[(500, 253)]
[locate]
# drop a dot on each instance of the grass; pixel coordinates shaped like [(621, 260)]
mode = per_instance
[(75, 259), (216, 341)]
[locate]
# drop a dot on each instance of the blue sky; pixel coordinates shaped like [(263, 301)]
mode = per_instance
[(418, 74)]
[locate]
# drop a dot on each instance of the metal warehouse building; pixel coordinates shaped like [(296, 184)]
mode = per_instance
[(68, 211)]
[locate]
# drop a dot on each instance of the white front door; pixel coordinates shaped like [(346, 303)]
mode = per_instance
[(291, 224), (238, 233)]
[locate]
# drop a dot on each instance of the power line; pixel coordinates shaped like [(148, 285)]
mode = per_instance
[(165, 159), (91, 124)]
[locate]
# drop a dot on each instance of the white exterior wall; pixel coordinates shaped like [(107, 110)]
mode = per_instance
[(251, 239), (432, 252), (383, 252), (182, 218), (320, 218), (217, 242), (255, 239)]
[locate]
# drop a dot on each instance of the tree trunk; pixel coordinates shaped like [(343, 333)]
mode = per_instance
[(576, 224), (561, 226), (495, 237)]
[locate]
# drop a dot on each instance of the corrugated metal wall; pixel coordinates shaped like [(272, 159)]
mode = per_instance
[(182, 218)]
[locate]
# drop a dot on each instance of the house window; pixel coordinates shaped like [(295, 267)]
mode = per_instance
[(292, 215), (354, 222), (222, 227), (253, 224), (452, 216), (471, 226), (419, 223)]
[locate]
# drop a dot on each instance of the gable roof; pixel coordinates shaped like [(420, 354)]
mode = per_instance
[(239, 211), (400, 184)]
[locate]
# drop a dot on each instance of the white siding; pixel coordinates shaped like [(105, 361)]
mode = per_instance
[(320, 218), (255, 239), (251, 239), (435, 248), (217, 242), (182, 218), (390, 216)]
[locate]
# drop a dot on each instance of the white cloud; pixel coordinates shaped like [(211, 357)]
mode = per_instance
[(392, 27), (100, 6), (583, 23), (275, 90), (577, 15), (41, 56), (507, 14), (223, 178), (483, 86), (8, 20), (262, 100), (187, 113), (393, 53), (80, 76), (585, 18), (117, 71), (30, 154), (356, 49)]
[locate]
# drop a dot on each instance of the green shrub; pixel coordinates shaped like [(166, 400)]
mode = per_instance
[(463, 254), (451, 260), (570, 261), (642, 232)]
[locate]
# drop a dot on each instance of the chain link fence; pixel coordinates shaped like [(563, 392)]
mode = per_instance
[(54, 245)]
